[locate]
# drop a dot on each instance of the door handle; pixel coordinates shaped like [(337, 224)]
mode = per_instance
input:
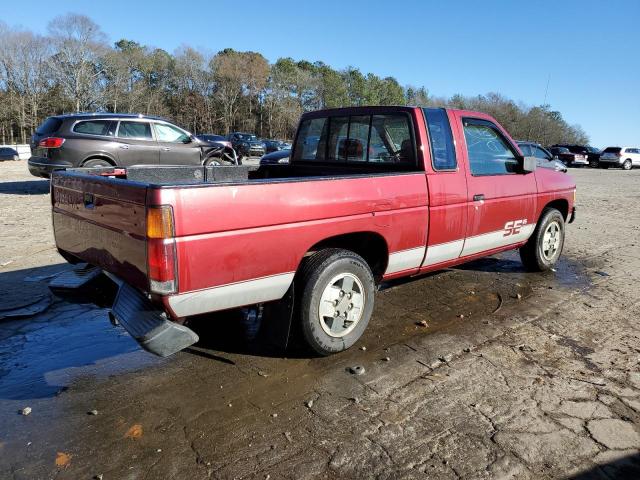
[(124, 147), (479, 197), (165, 149)]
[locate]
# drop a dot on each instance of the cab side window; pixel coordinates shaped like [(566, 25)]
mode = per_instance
[(488, 151), (443, 155)]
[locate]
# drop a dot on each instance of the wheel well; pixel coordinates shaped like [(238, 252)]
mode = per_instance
[(99, 157), (561, 205), (369, 245)]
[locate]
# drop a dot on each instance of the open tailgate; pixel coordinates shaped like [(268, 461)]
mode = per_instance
[(101, 221)]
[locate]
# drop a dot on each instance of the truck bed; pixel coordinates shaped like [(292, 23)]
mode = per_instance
[(99, 216)]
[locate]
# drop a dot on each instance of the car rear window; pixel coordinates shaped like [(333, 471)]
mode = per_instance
[(380, 139), (612, 150), (95, 127), (50, 125)]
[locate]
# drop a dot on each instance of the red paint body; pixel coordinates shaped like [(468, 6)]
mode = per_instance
[(229, 233)]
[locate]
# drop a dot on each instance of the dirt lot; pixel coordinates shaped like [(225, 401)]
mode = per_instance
[(516, 376)]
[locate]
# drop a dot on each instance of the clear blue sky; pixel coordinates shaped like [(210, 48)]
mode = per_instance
[(590, 49)]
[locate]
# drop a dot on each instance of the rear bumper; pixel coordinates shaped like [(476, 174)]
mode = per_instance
[(42, 167), (612, 161), (148, 325)]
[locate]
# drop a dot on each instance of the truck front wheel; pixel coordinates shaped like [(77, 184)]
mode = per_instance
[(543, 249), (336, 301)]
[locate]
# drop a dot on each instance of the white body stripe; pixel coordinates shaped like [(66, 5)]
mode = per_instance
[(233, 295), (274, 287), (491, 240), (405, 260), (443, 252)]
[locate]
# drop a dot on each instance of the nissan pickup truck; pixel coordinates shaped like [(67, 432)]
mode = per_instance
[(370, 194)]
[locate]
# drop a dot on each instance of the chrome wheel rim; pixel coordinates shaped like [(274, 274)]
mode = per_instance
[(341, 305), (551, 240)]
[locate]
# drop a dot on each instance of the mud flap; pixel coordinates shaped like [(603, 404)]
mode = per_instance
[(277, 320), (148, 325)]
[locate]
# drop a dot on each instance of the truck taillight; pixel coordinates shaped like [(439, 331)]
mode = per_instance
[(51, 142), (161, 250)]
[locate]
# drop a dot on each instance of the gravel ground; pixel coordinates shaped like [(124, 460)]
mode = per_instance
[(517, 375)]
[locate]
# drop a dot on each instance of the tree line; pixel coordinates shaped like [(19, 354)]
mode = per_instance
[(73, 69)]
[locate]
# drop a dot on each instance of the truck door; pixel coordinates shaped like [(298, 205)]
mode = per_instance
[(501, 199), (136, 145), (446, 177)]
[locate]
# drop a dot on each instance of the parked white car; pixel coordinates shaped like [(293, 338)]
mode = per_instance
[(625, 157)]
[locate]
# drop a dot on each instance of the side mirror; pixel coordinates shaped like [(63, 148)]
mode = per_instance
[(529, 164)]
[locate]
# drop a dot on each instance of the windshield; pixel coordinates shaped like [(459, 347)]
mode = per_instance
[(247, 137)]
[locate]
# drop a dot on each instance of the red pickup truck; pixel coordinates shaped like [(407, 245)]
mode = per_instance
[(370, 194)]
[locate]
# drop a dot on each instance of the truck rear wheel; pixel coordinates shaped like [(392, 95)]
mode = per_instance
[(336, 301), (543, 249)]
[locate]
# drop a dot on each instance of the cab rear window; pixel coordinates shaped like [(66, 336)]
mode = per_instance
[(356, 139)]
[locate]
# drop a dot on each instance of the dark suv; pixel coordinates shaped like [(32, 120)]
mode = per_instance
[(591, 153), (247, 144), (111, 139)]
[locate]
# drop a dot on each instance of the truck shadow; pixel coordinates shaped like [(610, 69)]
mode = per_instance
[(28, 187), (623, 468), (493, 264)]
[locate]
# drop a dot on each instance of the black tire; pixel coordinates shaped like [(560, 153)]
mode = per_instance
[(594, 163), (97, 162), (315, 278), (533, 254), (212, 161), (627, 165)]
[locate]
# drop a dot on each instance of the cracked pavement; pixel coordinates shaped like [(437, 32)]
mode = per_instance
[(516, 376)]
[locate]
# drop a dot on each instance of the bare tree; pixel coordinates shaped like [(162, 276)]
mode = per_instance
[(79, 45), (23, 61)]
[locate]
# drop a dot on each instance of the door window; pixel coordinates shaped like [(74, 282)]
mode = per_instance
[(525, 149), (540, 153), (488, 151), (170, 134), (137, 130)]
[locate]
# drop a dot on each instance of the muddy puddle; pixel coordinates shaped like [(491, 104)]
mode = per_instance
[(44, 355)]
